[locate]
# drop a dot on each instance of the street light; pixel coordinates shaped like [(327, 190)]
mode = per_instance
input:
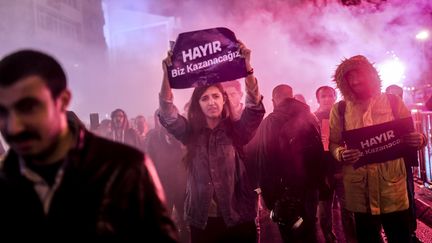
[(422, 35), (391, 70)]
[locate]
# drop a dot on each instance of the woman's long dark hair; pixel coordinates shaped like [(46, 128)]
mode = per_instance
[(197, 119), (196, 116)]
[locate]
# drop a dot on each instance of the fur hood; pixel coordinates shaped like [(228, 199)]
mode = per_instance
[(358, 62)]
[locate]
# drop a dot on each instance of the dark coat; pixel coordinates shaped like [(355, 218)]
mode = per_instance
[(289, 151), (107, 194)]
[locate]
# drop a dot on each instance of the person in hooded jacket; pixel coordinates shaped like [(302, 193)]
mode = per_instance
[(121, 131), (289, 153), (376, 192)]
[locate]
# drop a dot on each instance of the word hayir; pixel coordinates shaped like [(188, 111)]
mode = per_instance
[(201, 51), (383, 137)]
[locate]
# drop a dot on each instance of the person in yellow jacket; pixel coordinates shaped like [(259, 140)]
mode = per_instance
[(376, 192)]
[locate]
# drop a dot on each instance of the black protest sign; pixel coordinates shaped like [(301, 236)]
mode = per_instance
[(380, 143), (205, 57)]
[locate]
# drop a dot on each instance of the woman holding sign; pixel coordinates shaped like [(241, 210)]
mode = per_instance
[(220, 202)]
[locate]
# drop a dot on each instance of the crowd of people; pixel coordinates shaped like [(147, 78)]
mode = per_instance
[(220, 172)]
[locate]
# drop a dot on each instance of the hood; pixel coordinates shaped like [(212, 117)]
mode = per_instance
[(125, 124), (358, 62)]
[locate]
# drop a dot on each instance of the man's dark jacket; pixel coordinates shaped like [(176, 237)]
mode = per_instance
[(289, 151), (107, 194)]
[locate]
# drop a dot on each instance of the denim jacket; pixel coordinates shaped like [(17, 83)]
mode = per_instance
[(217, 170)]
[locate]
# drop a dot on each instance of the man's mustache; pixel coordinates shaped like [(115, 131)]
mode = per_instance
[(21, 137)]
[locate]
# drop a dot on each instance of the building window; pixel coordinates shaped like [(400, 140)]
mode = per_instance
[(58, 25)]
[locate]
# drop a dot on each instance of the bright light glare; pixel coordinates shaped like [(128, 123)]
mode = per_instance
[(422, 35), (392, 71)]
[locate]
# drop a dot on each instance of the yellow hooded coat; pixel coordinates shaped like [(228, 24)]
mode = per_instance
[(375, 188)]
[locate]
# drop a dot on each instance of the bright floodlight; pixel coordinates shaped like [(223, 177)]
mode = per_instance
[(392, 71), (422, 35)]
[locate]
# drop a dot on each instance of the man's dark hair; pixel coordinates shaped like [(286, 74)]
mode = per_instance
[(322, 88), (25, 63)]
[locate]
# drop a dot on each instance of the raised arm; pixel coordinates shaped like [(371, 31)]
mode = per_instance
[(245, 127), (168, 112), (166, 96), (252, 92)]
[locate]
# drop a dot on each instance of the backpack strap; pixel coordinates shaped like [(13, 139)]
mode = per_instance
[(411, 158), (341, 111)]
